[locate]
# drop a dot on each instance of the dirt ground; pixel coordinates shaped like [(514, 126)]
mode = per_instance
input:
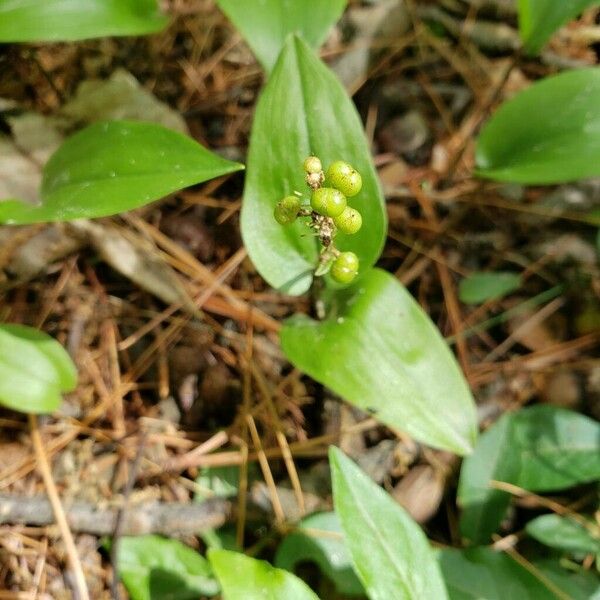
[(179, 362)]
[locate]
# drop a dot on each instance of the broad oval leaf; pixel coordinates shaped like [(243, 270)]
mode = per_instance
[(34, 370), (565, 533), (319, 538), (304, 110), (541, 449), (558, 448), (548, 133), (483, 286), (484, 574), (156, 568), (68, 20), (391, 554), (111, 167), (380, 352), (539, 19), (266, 24), (245, 578)]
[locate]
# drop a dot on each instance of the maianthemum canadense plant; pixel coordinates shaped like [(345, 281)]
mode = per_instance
[(372, 344)]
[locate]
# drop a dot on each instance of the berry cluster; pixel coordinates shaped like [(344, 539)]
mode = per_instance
[(329, 213)]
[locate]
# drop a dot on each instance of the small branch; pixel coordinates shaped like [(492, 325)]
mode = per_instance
[(84, 517)]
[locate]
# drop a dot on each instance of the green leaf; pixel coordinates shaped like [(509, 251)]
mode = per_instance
[(541, 448), (578, 585), (266, 24), (391, 554), (217, 482), (559, 448), (245, 578), (483, 506), (156, 568), (564, 533), (548, 133), (111, 167), (319, 539), (34, 370), (68, 20), (380, 352), (478, 288), (484, 574), (303, 110), (539, 19)]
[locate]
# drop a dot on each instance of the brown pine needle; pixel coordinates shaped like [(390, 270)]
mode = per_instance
[(59, 513)]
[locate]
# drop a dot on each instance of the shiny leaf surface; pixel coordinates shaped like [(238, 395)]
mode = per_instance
[(115, 166), (548, 133), (266, 24), (156, 568), (34, 370), (68, 20), (391, 554), (379, 351), (245, 578), (304, 110)]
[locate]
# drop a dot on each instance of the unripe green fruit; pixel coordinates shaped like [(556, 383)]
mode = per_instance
[(349, 222), (286, 210), (344, 177), (328, 202), (312, 165), (345, 267)]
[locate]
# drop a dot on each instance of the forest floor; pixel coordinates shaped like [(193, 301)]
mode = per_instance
[(169, 395)]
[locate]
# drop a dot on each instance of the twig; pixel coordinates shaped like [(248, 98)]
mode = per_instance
[(149, 517), (57, 508), (190, 459)]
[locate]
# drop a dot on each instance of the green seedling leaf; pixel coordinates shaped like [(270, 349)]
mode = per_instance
[(266, 24), (304, 110), (539, 19), (156, 568), (34, 370), (245, 578), (217, 482), (548, 133), (578, 585), (115, 166), (484, 506), (379, 351), (68, 20), (564, 533), (478, 288), (559, 448), (484, 574), (391, 554), (319, 539), (541, 449)]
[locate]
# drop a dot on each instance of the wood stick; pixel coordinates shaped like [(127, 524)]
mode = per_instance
[(149, 517)]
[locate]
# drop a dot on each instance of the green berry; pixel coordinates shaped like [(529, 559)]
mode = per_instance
[(344, 177), (286, 210), (345, 267), (349, 222), (312, 165), (328, 202)]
